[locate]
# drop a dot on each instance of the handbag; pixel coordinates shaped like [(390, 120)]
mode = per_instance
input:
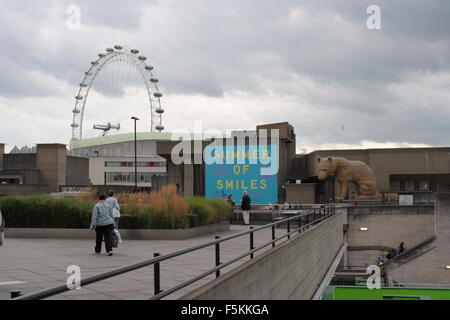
[(118, 235), (114, 240), (115, 213)]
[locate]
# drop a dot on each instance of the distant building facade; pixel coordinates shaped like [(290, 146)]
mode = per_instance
[(113, 163), (416, 171), (43, 168)]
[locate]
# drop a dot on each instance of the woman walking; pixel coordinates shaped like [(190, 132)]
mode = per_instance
[(103, 223), (115, 207)]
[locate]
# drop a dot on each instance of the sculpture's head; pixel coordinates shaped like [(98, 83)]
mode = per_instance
[(327, 167)]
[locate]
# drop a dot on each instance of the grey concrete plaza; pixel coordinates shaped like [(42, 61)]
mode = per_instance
[(33, 264)]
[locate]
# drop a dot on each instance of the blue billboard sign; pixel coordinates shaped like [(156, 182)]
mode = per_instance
[(235, 169)]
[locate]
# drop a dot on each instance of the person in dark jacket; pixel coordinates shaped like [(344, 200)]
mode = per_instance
[(2, 229), (401, 249), (245, 206), (103, 224)]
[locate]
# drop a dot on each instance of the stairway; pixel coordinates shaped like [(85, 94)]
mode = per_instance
[(410, 254)]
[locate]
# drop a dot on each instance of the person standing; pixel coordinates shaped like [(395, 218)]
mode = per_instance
[(103, 224), (245, 206), (401, 249), (2, 229), (115, 207)]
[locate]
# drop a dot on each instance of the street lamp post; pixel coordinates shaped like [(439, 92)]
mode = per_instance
[(135, 155)]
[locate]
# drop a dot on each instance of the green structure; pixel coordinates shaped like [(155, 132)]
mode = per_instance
[(385, 293)]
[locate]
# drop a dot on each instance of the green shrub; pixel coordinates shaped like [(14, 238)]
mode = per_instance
[(206, 211), (46, 212)]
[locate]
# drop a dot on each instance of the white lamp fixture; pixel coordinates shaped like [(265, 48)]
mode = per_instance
[(363, 229)]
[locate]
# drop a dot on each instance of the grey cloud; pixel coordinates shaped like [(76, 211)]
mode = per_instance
[(319, 54)]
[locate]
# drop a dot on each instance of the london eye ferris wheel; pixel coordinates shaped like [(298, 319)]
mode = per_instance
[(119, 84)]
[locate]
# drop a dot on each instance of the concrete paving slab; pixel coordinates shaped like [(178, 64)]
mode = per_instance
[(42, 263)]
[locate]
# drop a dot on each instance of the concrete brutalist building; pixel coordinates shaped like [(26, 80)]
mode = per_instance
[(417, 171), (42, 170)]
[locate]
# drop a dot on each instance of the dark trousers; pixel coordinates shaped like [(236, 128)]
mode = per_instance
[(103, 232)]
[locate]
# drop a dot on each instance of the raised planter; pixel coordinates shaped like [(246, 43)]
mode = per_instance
[(127, 234)]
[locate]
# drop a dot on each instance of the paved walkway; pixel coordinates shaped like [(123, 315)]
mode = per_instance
[(32, 264)]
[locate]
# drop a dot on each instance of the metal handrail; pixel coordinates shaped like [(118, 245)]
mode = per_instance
[(323, 214)]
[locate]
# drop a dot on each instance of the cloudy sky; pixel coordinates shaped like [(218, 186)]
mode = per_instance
[(239, 63)]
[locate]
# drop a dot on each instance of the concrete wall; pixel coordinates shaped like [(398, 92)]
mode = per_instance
[(188, 180), (51, 161), (77, 170), (388, 226), (389, 161), (301, 193), (292, 270), (19, 161), (23, 189), (430, 268), (25, 176), (126, 234), (286, 152)]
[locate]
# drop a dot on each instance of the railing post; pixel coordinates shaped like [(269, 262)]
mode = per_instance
[(217, 256), (273, 236), (299, 225), (251, 243), (15, 294), (289, 229), (156, 275)]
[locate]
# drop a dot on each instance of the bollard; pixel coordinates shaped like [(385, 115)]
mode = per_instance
[(217, 256), (251, 243), (273, 236), (289, 229), (156, 275)]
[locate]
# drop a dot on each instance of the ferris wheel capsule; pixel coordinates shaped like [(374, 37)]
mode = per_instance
[(157, 94), (109, 50), (134, 51), (78, 97), (159, 110), (117, 47), (94, 63), (154, 80), (142, 58), (74, 125), (101, 55), (149, 68), (159, 127), (87, 73), (83, 85), (76, 110)]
